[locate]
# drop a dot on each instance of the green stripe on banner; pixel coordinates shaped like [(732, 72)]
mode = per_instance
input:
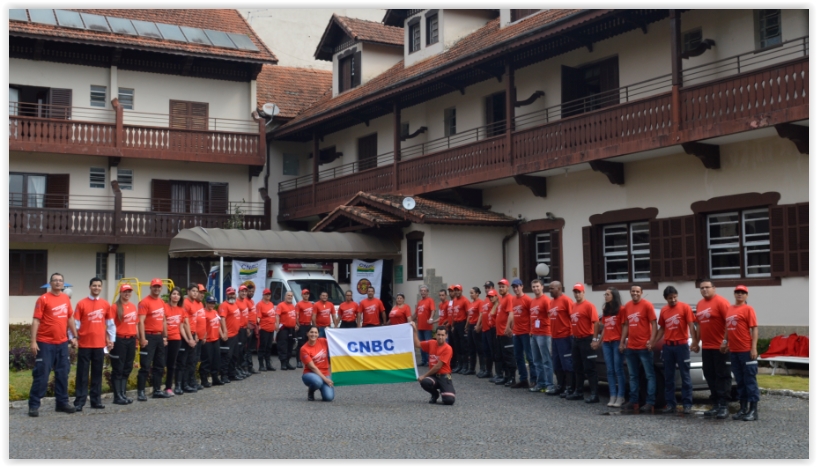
[(354, 378)]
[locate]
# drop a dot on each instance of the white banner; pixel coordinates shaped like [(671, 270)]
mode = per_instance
[(366, 274), (254, 271)]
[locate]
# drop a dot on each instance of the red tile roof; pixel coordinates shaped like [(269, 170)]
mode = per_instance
[(292, 89), (488, 36), (217, 20), (371, 31)]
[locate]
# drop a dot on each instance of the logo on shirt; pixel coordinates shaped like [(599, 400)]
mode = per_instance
[(553, 313), (421, 308), (174, 320), (130, 318), (633, 319), (60, 311), (705, 314), (96, 316), (432, 360), (215, 322), (732, 322), (574, 318), (157, 313), (319, 357), (673, 321), (517, 310), (394, 312), (371, 309), (610, 321)]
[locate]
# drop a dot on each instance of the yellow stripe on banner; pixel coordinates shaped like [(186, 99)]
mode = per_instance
[(398, 361)]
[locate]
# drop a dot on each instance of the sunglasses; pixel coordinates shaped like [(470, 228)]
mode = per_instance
[(741, 292)]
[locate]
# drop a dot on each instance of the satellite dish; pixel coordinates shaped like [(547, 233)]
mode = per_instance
[(271, 109), (542, 270), (409, 203)]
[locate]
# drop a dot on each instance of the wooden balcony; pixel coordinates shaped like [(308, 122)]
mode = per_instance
[(722, 98), (102, 220), (116, 133)]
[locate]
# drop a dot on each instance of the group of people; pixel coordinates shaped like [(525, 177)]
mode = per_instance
[(508, 332)]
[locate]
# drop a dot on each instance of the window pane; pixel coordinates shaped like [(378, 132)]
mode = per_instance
[(16, 190), (419, 259), (756, 227), (102, 265), (769, 28), (615, 269), (640, 241), (725, 262), (98, 94), (615, 239), (758, 261), (126, 98), (97, 177), (641, 267), (125, 179), (543, 252), (36, 190), (723, 229), (120, 266)]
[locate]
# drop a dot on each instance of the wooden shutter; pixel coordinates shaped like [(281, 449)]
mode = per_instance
[(608, 81), (56, 191), (591, 255), (691, 248), (178, 114), (189, 115), (357, 64), (15, 273), (555, 255), (199, 114), (527, 258), (788, 242), (367, 152), (60, 103), (573, 88), (27, 271), (160, 195), (344, 74), (219, 198), (656, 252), (674, 249)]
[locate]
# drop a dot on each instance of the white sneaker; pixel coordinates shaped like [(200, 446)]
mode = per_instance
[(619, 401), (612, 401)]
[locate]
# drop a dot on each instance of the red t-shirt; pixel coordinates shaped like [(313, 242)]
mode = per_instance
[(266, 311), (639, 315), (711, 317), (559, 313), (539, 319), (287, 315), (521, 315), (583, 319), (425, 310), (473, 311), (53, 312), (153, 309), (91, 316), (232, 317), (213, 324), (502, 311), (126, 327), (317, 354), (487, 319), (323, 312), (305, 310), (174, 316), (400, 314), (371, 309), (612, 326), (252, 316), (443, 315), (739, 321), (438, 353), (675, 321), (459, 309), (348, 311), (244, 308), (190, 312)]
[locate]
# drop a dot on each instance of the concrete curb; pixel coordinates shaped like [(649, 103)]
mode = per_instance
[(785, 392), (49, 400)]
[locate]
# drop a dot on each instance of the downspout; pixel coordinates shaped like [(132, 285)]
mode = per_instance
[(505, 243)]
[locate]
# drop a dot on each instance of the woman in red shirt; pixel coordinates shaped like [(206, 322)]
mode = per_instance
[(609, 334), (401, 313), (174, 314), (472, 337), (265, 310), (315, 357), (741, 338), (124, 347)]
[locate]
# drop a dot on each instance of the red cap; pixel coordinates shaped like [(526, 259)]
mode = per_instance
[(156, 281), (450, 287), (492, 293), (742, 288), (504, 281), (242, 287), (304, 291), (266, 292), (579, 286), (202, 288), (457, 287), (230, 290), (125, 287)]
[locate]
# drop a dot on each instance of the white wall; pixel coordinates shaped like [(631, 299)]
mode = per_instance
[(376, 59), (453, 25)]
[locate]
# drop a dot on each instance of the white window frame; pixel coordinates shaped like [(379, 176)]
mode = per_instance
[(762, 43), (119, 271), (102, 265), (543, 256), (450, 121), (411, 37), (127, 92), (94, 175), (125, 178), (418, 258), (741, 244), (641, 251), (628, 254), (95, 95), (755, 243)]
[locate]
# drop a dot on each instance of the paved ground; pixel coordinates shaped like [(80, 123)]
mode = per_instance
[(268, 416)]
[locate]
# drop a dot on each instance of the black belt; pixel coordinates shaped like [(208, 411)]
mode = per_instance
[(153, 333), (125, 337), (682, 342)]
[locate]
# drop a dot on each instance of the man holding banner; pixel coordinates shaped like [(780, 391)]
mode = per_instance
[(437, 380)]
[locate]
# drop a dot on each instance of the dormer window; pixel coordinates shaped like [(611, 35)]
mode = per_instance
[(432, 29), (348, 71), (414, 37)]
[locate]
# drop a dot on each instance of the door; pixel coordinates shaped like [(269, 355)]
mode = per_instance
[(495, 114), (573, 89), (367, 152)]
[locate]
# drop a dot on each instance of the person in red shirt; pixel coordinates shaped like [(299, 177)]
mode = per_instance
[(540, 337), (443, 315), (473, 336), (637, 334), (487, 328), (266, 323), (562, 344), (53, 318), (191, 345), (400, 312), (174, 315), (583, 321), (371, 309), (675, 326), (520, 327), (324, 310), (305, 309), (425, 317), (239, 356), (287, 324), (229, 311), (94, 323), (124, 347), (315, 357), (437, 380), (216, 332), (252, 329), (457, 315), (741, 339), (710, 319), (609, 333), (152, 329), (348, 312), (201, 335), (504, 333)]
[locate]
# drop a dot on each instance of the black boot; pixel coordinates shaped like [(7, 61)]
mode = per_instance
[(177, 389), (269, 364), (568, 385), (554, 390), (723, 411), (217, 381), (752, 414), (568, 392), (117, 392), (124, 386), (594, 390), (594, 398), (744, 409), (262, 366), (140, 389)]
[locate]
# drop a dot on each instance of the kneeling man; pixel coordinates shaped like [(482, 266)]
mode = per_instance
[(437, 380)]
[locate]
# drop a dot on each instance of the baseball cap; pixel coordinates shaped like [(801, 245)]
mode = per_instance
[(492, 293), (155, 281), (230, 290), (516, 282), (304, 291), (579, 287), (489, 284), (202, 288), (504, 281), (242, 287), (456, 287), (125, 287), (266, 292), (210, 299), (741, 288)]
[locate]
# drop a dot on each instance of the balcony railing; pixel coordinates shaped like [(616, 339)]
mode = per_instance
[(718, 98), (114, 132)]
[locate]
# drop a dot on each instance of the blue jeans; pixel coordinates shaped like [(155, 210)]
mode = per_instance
[(424, 336), (50, 356), (315, 383), (614, 361), (322, 331), (540, 348), (645, 357), (521, 350), (745, 371), (677, 355)]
